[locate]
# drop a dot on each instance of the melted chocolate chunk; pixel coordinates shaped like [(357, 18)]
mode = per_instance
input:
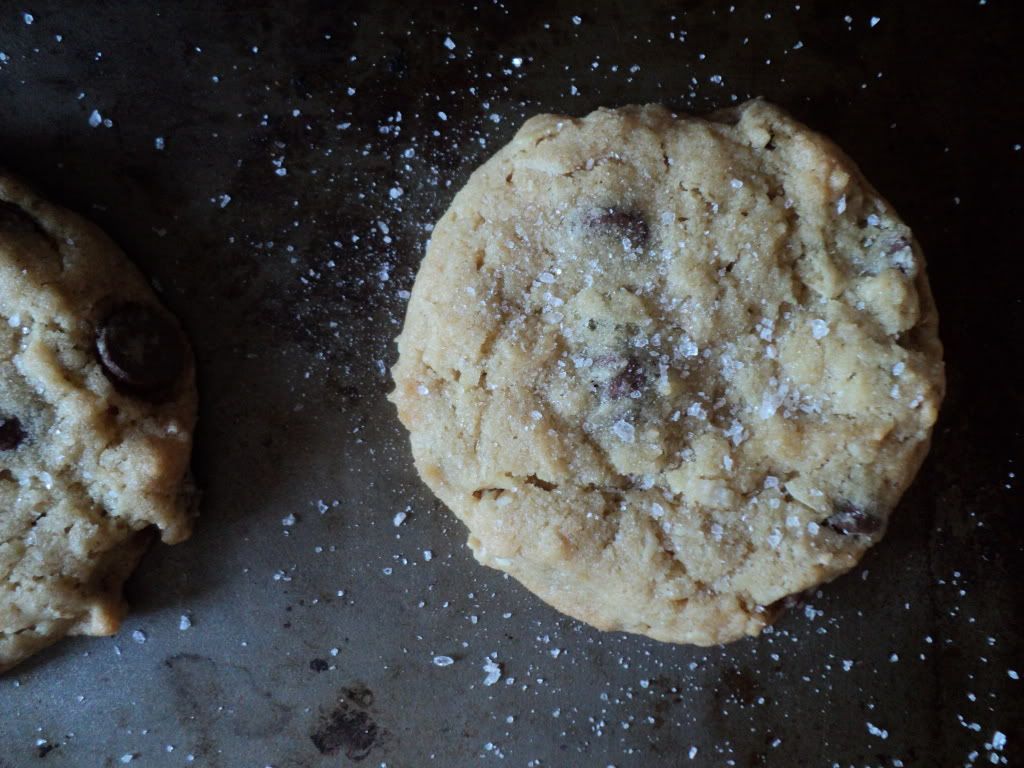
[(629, 380), (848, 519), (140, 348), (11, 433), (628, 224)]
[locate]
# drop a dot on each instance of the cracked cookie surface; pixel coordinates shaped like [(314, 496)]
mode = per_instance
[(670, 370), (97, 407)]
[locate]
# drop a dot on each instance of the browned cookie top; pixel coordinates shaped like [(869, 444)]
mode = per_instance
[(97, 407), (670, 370)]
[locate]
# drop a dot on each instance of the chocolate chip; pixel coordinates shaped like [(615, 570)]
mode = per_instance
[(848, 519), (11, 433), (628, 224), (627, 381), (140, 349)]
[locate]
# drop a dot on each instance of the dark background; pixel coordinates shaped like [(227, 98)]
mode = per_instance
[(292, 291)]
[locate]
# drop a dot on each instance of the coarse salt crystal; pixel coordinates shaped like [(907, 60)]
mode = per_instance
[(770, 402), (736, 434), (443, 661), (492, 672), (623, 430), (696, 411), (819, 328)]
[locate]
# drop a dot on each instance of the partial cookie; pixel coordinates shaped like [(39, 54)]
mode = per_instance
[(97, 407), (670, 370)]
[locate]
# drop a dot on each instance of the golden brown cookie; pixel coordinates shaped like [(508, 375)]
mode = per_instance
[(97, 407), (670, 370)]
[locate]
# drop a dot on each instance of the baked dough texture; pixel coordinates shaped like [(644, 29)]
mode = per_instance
[(670, 371), (97, 408)]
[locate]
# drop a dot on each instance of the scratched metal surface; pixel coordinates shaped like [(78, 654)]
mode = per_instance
[(311, 644)]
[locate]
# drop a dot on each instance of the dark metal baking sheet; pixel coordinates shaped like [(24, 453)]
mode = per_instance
[(303, 157)]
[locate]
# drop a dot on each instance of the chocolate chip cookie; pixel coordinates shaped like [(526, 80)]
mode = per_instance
[(670, 370), (97, 407)]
